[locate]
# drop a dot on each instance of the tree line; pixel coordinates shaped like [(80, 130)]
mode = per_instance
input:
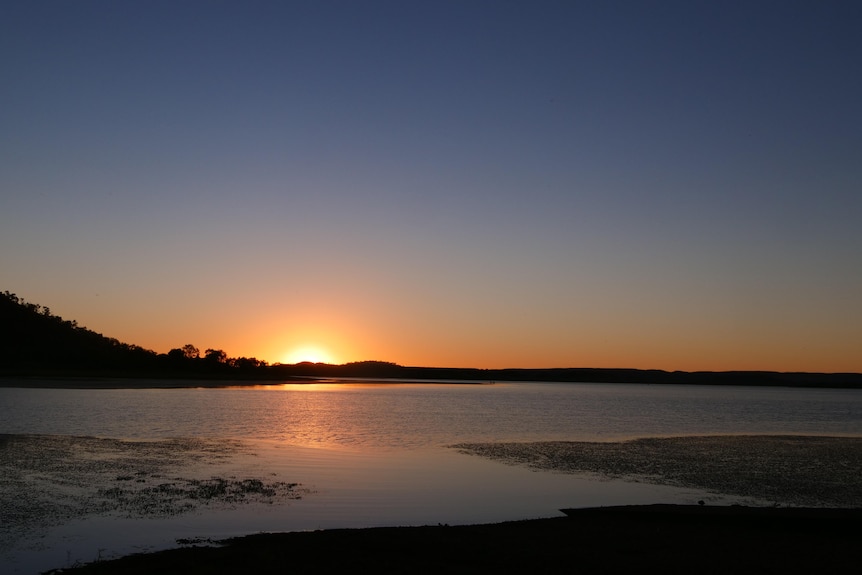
[(213, 359), (35, 341)]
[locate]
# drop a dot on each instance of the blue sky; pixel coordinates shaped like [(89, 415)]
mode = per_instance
[(492, 184)]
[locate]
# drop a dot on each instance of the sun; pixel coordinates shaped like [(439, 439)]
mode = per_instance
[(309, 353)]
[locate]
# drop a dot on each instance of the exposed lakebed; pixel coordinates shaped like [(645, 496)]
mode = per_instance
[(785, 470), (49, 480)]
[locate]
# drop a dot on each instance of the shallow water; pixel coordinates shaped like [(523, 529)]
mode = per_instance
[(338, 488), (363, 455)]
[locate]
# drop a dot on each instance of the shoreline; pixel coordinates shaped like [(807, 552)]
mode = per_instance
[(215, 381), (673, 538), (798, 470), (620, 538)]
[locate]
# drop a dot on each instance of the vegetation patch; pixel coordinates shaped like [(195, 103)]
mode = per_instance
[(182, 495)]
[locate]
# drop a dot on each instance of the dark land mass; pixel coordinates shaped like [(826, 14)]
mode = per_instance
[(375, 369), (656, 538), (35, 344)]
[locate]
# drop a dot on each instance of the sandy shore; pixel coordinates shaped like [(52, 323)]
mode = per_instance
[(821, 472), (779, 470)]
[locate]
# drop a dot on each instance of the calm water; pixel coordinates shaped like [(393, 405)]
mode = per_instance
[(415, 416), (375, 454)]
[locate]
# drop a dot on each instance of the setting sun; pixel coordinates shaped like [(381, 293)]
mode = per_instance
[(308, 353)]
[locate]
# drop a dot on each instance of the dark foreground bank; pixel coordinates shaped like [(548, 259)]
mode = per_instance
[(674, 539)]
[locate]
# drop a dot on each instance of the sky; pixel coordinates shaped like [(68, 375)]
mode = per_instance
[(643, 184)]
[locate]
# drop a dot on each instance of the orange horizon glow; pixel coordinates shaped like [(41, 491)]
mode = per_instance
[(595, 358), (327, 344), (309, 353), (347, 333)]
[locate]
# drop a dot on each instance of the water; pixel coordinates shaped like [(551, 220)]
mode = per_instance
[(372, 454), (415, 416)]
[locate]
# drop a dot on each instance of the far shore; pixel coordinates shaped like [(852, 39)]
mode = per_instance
[(109, 382), (120, 382), (342, 374)]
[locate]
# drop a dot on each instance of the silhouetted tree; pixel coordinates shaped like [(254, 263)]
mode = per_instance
[(190, 351), (247, 363), (215, 356), (176, 355)]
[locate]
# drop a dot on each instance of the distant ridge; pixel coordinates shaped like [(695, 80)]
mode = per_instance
[(34, 342), (579, 375)]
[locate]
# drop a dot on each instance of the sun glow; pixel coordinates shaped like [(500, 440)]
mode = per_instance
[(310, 353)]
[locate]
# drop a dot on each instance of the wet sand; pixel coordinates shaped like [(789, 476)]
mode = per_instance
[(788, 470), (48, 480), (778, 470)]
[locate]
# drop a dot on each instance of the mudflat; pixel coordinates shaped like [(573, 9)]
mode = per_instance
[(778, 538), (798, 470)]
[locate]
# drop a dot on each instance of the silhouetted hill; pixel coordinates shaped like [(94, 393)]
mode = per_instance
[(33, 341)]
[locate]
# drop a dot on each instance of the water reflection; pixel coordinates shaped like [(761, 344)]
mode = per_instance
[(339, 488), (373, 454), (416, 416)]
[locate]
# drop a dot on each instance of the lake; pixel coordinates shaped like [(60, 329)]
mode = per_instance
[(362, 454)]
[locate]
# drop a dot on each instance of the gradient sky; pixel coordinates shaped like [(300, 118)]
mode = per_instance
[(672, 185)]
